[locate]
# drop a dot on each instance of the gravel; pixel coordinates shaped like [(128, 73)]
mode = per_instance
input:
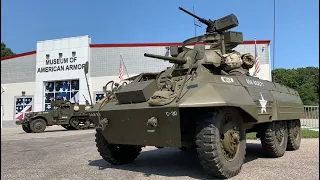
[(70, 155)]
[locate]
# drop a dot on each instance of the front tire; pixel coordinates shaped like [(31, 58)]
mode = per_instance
[(26, 128), (221, 142), (294, 135), (113, 153), (274, 138), (38, 125)]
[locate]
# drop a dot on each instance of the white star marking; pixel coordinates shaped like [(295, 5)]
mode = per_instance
[(64, 98), (61, 90), (263, 104)]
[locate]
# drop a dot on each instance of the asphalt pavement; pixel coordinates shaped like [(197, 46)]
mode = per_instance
[(72, 155)]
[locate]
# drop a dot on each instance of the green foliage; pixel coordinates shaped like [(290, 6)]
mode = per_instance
[(5, 51), (306, 133), (304, 80)]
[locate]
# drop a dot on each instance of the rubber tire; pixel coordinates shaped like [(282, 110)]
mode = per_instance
[(32, 125), (117, 156), (208, 144), (269, 142), (26, 128), (293, 144)]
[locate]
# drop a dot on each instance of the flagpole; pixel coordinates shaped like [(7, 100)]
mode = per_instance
[(255, 56), (124, 65), (274, 40)]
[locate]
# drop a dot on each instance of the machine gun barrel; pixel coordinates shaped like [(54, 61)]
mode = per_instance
[(170, 59), (204, 21)]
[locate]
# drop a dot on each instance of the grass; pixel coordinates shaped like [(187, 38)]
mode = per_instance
[(306, 133)]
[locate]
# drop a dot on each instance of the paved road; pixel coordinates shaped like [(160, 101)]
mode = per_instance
[(72, 155)]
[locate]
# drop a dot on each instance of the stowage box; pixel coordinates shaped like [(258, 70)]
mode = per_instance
[(136, 92)]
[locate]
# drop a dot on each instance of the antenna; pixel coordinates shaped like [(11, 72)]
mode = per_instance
[(195, 24), (274, 38)]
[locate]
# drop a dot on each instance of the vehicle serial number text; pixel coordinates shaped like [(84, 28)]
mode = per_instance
[(254, 82), (172, 113)]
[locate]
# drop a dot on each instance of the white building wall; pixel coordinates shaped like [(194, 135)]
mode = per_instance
[(17, 75), (7, 97), (105, 61)]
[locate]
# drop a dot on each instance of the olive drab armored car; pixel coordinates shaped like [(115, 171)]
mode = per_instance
[(69, 115), (206, 102)]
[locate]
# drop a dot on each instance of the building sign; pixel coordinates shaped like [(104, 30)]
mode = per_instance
[(61, 64)]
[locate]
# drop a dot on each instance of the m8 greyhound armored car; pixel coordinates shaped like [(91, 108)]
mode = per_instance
[(206, 102), (69, 115)]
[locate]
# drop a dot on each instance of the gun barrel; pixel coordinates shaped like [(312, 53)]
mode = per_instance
[(195, 16), (170, 59)]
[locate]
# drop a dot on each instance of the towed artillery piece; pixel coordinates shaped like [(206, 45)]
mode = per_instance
[(69, 115), (206, 102)]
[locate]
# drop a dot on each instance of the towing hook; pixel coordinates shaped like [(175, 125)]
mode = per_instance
[(153, 122)]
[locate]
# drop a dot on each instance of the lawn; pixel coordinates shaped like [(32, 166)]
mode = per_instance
[(306, 133)]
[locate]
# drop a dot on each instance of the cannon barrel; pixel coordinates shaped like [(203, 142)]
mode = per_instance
[(170, 59)]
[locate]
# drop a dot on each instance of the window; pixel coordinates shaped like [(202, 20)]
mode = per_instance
[(23, 105), (67, 90)]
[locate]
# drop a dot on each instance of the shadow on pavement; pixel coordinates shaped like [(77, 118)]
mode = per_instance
[(58, 130), (172, 162)]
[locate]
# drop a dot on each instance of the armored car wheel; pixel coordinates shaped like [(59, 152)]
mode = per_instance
[(274, 138), (38, 125), (26, 128), (113, 153), (221, 142), (294, 134)]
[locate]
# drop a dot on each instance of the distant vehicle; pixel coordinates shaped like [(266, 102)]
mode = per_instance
[(69, 115), (206, 102)]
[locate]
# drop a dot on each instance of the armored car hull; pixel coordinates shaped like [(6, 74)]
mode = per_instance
[(258, 101)]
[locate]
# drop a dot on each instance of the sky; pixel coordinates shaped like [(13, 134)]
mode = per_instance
[(144, 21)]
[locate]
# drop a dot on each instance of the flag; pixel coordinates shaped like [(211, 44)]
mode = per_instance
[(121, 71), (257, 67)]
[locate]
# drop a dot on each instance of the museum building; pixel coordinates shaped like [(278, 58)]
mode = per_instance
[(29, 81)]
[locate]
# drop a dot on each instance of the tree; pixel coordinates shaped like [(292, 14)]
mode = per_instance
[(5, 51), (304, 80)]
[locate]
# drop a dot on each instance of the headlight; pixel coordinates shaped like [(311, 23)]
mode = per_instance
[(87, 107), (76, 108), (27, 115)]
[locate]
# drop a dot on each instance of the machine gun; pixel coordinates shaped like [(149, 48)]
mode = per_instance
[(217, 31), (217, 26)]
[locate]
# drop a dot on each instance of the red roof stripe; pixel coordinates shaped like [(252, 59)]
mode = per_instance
[(19, 55), (129, 45), (162, 44)]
